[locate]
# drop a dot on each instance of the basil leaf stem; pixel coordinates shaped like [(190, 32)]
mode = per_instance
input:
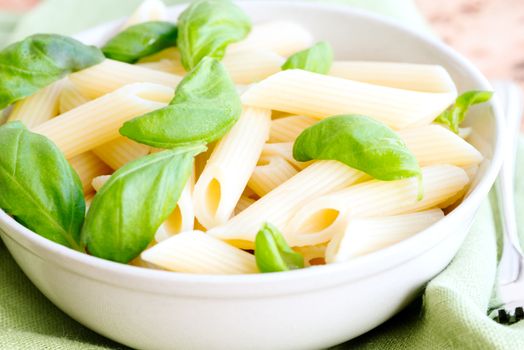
[(316, 59), (133, 203), (454, 115), (141, 40), (273, 254), (207, 27), (39, 60), (40, 190)]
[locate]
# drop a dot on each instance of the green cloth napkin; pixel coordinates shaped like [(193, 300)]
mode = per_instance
[(452, 313)]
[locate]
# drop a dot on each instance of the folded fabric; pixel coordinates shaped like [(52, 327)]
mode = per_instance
[(452, 314)]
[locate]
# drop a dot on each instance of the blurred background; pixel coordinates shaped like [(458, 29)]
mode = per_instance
[(488, 32)]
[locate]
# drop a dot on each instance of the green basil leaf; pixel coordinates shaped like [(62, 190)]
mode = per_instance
[(141, 40), (207, 27), (359, 142), (133, 203), (206, 105), (273, 254), (454, 116), (316, 59), (35, 62), (39, 189)]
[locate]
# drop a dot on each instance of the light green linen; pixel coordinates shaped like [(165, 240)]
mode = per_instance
[(451, 314)]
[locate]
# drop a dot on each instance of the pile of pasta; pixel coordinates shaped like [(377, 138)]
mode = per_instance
[(326, 210)]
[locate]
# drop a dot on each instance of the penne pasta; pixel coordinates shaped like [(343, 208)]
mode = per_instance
[(39, 107), (434, 144), (284, 150), (281, 37), (97, 122), (252, 65), (164, 65), (148, 10), (287, 129), (279, 205), (243, 203), (305, 93), (120, 151), (111, 75), (270, 173), (313, 254), (366, 235), (409, 76), (197, 252), (99, 181), (88, 166), (70, 98), (227, 171), (317, 221)]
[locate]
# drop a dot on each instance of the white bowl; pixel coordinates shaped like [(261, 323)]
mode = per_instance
[(304, 309)]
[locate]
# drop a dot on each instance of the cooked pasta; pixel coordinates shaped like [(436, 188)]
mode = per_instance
[(99, 181), (97, 122), (88, 166), (279, 205), (252, 65), (228, 169), (417, 77), (243, 203), (70, 98), (317, 221), (288, 128), (111, 75), (120, 151), (197, 252), (149, 10), (270, 172), (39, 107), (284, 150), (163, 66), (365, 235), (313, 254), (316, 95)]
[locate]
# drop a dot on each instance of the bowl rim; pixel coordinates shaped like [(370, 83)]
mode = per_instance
[(368, 265)]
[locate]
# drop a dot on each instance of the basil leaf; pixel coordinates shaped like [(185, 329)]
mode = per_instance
[(39, 189), (273, 254), (133, 203), (316, 59), (454, 116), (141, 40), (206, 105), (359, 142), (35, 62), (206, 28)]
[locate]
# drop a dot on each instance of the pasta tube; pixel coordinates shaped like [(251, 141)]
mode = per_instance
[(252, 65), (197, 252), (287, 129), (305, 93), (243, 203), (279, 205), (317, 221), (97, 122), (227, 171), (284, 150), (120, 151), (70, 98), (365, 235), (39, 107), (409, 76), (270, 173), (88, 166), (111, 75)]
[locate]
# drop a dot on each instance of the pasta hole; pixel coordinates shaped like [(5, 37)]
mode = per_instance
[(174, 221), (213, 196), (319, 221)]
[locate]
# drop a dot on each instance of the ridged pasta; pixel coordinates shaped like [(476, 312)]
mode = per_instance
[(252, 65), (120, 151), (270, 173), (409, 76), (99, 181), (317, 221), (39, 107), (365, 235), (148, 10), (228, 169), (279, 205), (243, 203), (284, 150), (313, 254), (434, 144), (88, 166), (197, 252), (164, 65), (305, 93), (111, 75), (281, 37), (70, 98), (287, 129), (97, 122)]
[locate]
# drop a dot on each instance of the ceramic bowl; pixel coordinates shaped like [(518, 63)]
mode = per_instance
[(304, 309)]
